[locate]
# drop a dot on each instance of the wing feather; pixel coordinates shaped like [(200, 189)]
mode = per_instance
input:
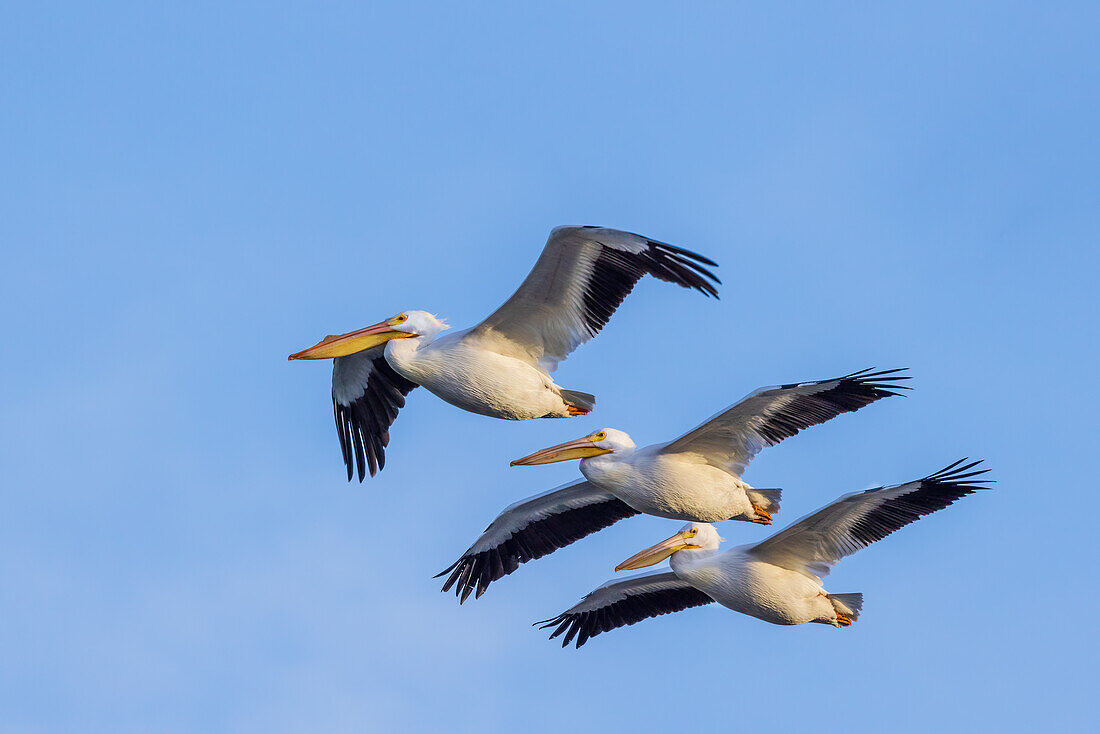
[(819, 540), (366, 395), (531, 529), (766, 416), (621, 603), (578, 282)]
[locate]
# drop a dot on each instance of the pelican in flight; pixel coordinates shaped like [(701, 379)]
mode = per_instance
[(695, 477), (501, 367), (777, 580)]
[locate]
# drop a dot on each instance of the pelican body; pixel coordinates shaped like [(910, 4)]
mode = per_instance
[(501, 367), (469, 374), (740, 581), (696, 477), (779, 580), (679, 486)]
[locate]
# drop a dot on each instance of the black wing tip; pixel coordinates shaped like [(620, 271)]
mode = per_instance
[(960, 475), (572, 625), (931, 494), (476, 571), (544, 623), (363, 451), (616, 271), (681, 251), (882, 380), (448, 569), (683, 267), (829, 398), (871, 372), (872, 385), (363, 425), (586, 624), (473, 573)]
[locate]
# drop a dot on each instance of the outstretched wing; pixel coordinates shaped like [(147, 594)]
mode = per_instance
[(816, 542), (366, 395), (767, 416), (582, 276), (620, 603), (533, 528)]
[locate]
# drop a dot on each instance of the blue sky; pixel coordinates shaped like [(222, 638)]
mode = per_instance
[(188, 195)]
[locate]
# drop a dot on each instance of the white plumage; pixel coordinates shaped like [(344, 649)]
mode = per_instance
[(501, 367), (695, 477), (778, 580)]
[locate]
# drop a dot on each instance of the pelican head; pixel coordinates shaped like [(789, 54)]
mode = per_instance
[(603, 441), (693, 536), (405, 325)]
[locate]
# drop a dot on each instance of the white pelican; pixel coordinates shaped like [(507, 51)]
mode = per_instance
[(695, 477), (777, 580), (499, 368)]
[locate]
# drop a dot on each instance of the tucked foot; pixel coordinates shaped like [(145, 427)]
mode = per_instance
[(573, 410), (843, 620), (763, 517)]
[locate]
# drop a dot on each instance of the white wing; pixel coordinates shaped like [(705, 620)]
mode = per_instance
[(533, 528), (765, 417), (366, 395), (620, 603), (816, 542), (582, 276)]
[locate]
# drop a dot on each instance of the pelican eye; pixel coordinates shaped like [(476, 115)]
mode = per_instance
[(600, 436), (400, 319), (692, 533)]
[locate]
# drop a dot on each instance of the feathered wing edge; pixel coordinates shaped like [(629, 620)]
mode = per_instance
[(363, 424), (532, 529), (628, 602), (852, 392), (859, 519), (581, 277), (785, 410), (616, 272)]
